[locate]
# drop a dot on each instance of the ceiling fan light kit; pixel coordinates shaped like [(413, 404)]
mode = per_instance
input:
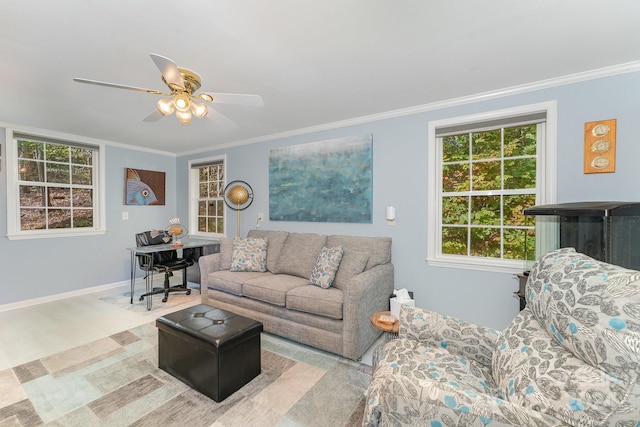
[(185, 108), (166, 107), (199, 110), (181, 101), (205, 97), (183, 84), (184, 117)]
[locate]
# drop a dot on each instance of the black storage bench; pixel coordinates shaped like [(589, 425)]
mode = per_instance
[(213, 351)]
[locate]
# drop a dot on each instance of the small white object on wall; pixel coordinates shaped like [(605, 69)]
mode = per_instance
[(391, 215)]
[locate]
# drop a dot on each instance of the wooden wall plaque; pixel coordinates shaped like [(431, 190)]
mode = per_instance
[(600, 146)]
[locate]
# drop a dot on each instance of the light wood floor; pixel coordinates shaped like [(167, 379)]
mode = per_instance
[(40, 330)]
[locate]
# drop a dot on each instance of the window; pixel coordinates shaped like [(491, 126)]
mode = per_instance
[(485, 170), (206, 183), (53, 187)]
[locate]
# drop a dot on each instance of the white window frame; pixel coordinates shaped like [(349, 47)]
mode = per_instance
[(194, 192), (546, 178), (13, 193)]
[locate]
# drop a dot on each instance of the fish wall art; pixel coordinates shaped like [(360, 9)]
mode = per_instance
[(143, 188)]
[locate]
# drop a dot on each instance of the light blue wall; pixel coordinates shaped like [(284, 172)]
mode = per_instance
[(36, 268), (43, 267), (400, 179)]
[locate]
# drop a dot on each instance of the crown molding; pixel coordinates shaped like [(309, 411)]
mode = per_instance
[(79, 138), (629, 67)]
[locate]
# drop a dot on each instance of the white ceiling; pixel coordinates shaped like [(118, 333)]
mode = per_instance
[(313, 62)]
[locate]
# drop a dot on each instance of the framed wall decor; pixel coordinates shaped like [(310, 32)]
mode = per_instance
[(326, 181), (600, 146), (143, 187)]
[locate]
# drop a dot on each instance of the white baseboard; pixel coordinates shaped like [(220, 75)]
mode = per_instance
[(56, 297)]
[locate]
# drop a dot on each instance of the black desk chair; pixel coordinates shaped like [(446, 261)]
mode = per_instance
[(163, 262)]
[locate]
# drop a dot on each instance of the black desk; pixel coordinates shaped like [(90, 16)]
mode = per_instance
[(148, 252)]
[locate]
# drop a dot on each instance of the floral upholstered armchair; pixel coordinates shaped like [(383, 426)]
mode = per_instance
[(571, 357)]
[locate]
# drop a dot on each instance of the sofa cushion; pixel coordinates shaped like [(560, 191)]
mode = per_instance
[(249, 254), (324, 272), (352, 263), (378, 248), (589, 307), (226, 250), (299, 254), (231, 281), (532, 370), (275, 241), (315, 300), (272, 288)]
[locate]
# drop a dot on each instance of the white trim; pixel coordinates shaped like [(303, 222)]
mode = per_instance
[(625, 68), (546, 179), (477, 263), (101, 200), (12, 189), (54, 233), (546, 231), (56, 297)]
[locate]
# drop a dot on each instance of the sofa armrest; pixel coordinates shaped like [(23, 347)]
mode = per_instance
[(208, 264), (472, 341), (365, 294)]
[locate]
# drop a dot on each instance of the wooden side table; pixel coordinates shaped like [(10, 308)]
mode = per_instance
[(383, 326), (390, 333)]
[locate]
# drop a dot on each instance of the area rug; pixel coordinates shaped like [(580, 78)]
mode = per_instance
[(114, 381)]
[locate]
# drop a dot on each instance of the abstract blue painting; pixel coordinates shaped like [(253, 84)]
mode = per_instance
[(327, 181)]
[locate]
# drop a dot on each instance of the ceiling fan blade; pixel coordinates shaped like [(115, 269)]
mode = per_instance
[(220, 119), (169, 71), (232, 98), (154, 116), (118, 86)]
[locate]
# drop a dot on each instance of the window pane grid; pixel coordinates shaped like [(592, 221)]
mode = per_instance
[(210, 218), (55, 186), (488, 178)]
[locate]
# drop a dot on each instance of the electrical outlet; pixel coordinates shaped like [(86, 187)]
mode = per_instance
[(260, 216)]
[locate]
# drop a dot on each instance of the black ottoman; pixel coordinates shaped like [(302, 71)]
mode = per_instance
[(213, 351)]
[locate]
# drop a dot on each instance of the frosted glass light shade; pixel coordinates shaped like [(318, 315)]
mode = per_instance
[(166, 107), (184, 117), (182, 102), (199, 110)]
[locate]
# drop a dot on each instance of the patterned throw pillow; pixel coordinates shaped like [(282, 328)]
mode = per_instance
[(326, 266), (249, 254)]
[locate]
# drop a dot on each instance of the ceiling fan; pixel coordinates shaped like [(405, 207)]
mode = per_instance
[(182, 98)]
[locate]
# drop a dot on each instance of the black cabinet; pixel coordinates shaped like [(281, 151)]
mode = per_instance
[(606, 231)]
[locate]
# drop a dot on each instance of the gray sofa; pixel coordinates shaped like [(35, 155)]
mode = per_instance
[(571, 357), (335, 319)]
